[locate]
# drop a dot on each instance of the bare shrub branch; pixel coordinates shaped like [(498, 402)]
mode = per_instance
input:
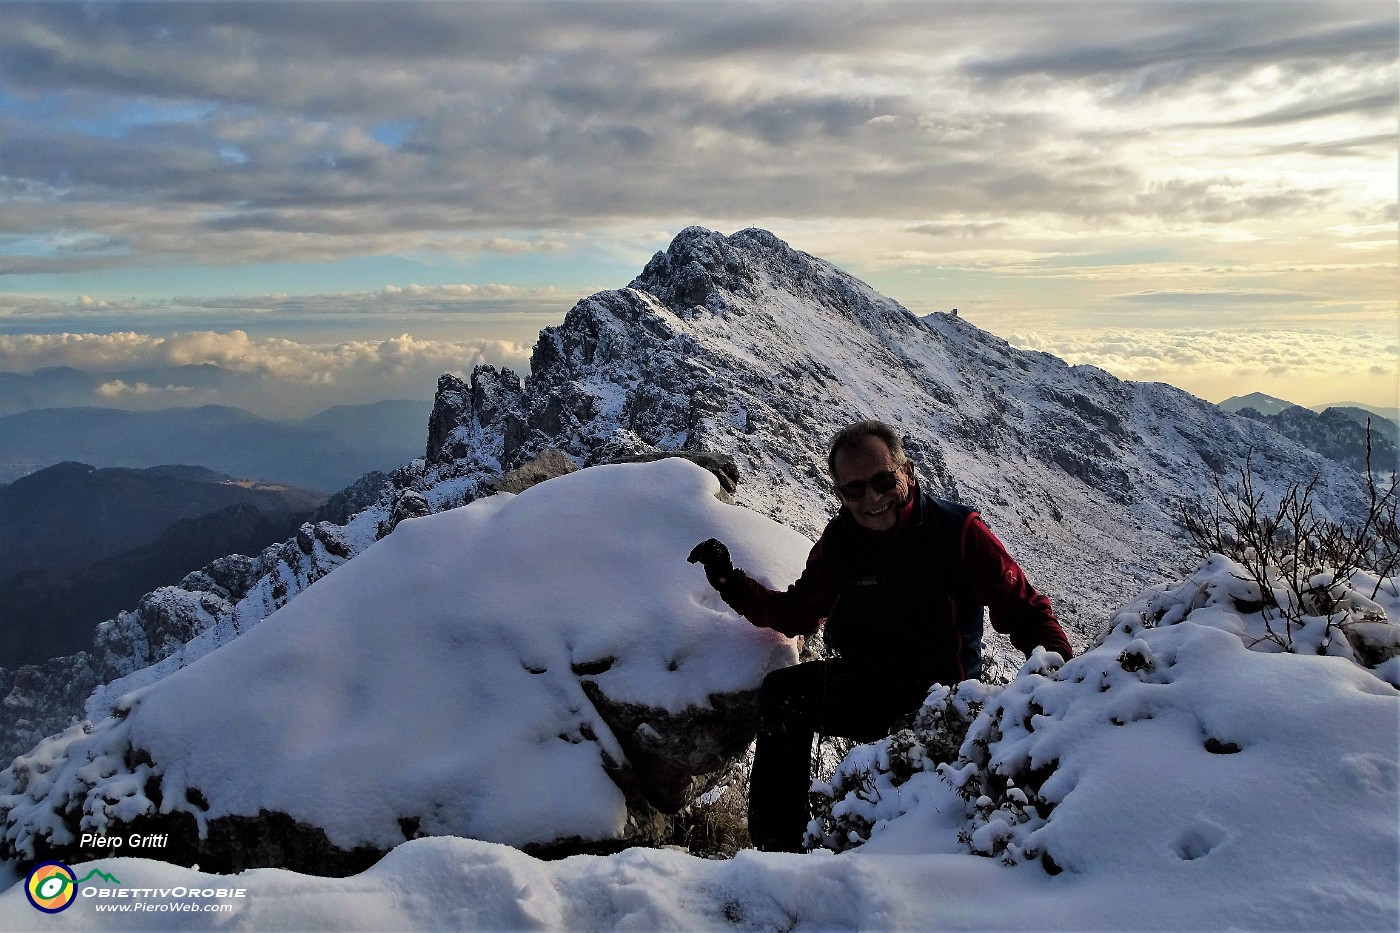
[(1300, 560)]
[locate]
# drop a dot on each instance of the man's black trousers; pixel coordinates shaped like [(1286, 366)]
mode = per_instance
[(831, 697)]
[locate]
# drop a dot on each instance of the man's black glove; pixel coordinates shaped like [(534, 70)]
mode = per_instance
[(714, 557)]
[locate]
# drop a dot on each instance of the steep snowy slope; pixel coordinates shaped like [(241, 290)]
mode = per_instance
[(744, 345)]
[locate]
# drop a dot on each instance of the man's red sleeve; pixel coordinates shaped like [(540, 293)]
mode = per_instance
[(796, 611), (1015, 608)]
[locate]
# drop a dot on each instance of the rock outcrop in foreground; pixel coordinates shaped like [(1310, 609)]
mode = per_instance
[(544, 670)]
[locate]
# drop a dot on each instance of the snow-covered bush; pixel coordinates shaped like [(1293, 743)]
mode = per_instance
[(1356, 622), (1175, 689), (1303, 564), (1003, 793), (864, 789)]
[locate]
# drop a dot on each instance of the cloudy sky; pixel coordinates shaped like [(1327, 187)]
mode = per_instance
[(341, 200)]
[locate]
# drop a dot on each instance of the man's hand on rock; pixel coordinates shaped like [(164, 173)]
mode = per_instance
[(714, 557)]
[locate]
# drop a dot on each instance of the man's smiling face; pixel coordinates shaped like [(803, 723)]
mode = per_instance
[(866, 461)]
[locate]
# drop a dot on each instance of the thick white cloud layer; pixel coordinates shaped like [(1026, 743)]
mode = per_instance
[(1306, 367), (271, 376), (235, 351)]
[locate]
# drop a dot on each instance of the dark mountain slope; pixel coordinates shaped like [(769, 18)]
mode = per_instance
[(68, 516), (327, 451), (46, 613), (1336, 434)]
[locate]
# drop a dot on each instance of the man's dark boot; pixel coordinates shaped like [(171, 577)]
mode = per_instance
[(782, 761)]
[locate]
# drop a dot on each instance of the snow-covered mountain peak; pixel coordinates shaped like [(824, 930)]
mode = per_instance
[(745, 345), (731, 275)]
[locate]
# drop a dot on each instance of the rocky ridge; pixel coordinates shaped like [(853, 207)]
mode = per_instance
[(1337, 434), (745, 345)]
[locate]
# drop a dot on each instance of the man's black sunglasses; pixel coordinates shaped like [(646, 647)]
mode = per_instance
[(881, 482)]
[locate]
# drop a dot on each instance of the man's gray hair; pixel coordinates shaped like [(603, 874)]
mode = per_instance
[(853, 434)]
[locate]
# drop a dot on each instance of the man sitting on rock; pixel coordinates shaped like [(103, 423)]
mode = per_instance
[(900, 578)]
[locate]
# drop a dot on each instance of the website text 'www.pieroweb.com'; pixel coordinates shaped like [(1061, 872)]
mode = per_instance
[(188, 907)]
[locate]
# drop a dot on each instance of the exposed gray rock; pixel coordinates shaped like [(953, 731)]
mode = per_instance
[(677, 757), (408, 503), (450, 406), (228, 578), (38, 700), (491, 400), (356, 497), (327, 535), (549, 464)]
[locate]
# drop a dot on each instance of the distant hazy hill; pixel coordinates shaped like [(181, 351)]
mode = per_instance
[(1264, 404), (67, 516), (327, 451), (78, 544), (1386, 425), (1269, 405), (1392, 414)]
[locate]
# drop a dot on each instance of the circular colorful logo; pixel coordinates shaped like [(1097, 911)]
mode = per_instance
[(51, 887)]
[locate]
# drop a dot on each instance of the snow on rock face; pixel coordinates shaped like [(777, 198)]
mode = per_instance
[(173, 626), (31, 693), (439, 687)]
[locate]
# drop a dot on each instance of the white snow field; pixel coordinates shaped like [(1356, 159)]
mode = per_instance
[(1292, 822)]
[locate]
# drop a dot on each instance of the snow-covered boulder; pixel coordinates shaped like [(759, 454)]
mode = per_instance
[(542, 670)]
